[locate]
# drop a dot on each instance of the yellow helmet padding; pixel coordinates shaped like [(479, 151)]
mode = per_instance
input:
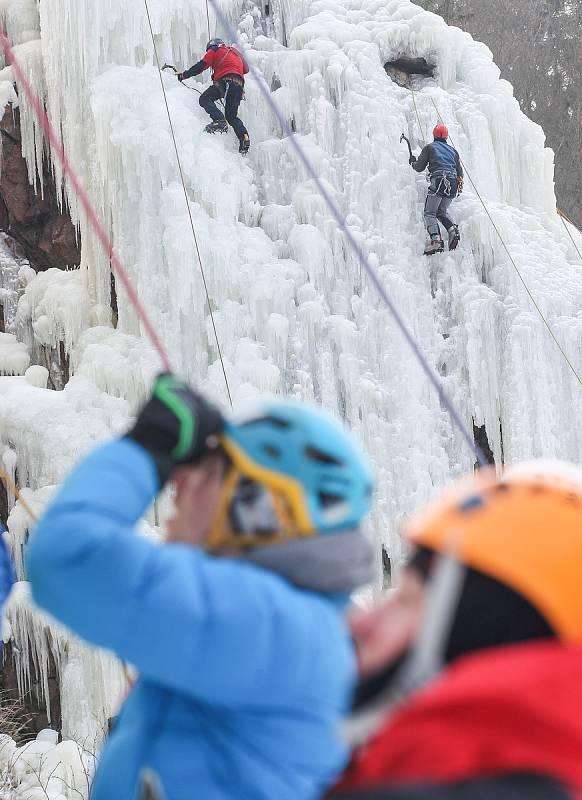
[(287, 494)]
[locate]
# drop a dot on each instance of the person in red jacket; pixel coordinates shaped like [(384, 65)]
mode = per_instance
[(472, 670), (228, 83)]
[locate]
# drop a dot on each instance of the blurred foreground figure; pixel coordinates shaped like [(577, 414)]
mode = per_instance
[(6, 576), (236, 623), (490, 706)]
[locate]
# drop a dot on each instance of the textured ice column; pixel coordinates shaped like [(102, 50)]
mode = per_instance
[(92, 681), (20, 20), (14, 357), (56, 304), (33, 148)]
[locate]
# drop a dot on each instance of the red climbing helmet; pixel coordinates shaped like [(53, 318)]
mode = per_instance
[(441, 131)]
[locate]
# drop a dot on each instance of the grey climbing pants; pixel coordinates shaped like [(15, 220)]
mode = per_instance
[(435, 211), (441, 193)]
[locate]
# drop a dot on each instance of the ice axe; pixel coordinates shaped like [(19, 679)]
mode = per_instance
[(404, 138), (177, 72)]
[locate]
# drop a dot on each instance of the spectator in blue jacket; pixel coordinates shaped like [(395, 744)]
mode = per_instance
[(236, 622)]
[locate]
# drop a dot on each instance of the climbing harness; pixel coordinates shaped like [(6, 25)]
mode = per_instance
[(444, 187), (195, 237)]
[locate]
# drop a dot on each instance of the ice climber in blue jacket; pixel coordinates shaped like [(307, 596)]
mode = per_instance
[(235, 623), (446, 182)]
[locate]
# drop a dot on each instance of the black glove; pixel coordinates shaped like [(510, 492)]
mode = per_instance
[(460, 182), (412, 160), (174, 425), (180, 76)]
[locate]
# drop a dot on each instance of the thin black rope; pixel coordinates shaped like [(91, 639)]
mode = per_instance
[(512, 260), (364, 262), (188, 204)]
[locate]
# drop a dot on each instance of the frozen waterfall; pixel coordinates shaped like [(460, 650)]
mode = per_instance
[(293, 312)]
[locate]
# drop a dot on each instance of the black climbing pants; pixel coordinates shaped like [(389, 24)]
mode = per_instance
[(232, 93), (437, 205)]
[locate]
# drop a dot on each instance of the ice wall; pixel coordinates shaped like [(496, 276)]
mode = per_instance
[(293, 311)]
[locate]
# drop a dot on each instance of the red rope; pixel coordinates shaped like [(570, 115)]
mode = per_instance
[(100, 231)]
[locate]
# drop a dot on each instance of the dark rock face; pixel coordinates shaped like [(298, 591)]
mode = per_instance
[(46, 235), (28, 714)]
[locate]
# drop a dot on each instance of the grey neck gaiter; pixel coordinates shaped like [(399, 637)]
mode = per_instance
[(331, 563)]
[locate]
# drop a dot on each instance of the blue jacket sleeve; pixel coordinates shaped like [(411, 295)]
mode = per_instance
[(217, 629)]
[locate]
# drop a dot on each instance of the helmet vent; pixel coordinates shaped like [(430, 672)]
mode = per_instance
[(323, 458), (275, 421), (272, 451), (328, 500)]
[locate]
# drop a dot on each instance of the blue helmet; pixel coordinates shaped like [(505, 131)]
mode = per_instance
[(214, 44), (295, 472)]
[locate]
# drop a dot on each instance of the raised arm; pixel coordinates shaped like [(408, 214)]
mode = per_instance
[(421, 163), (196, 69), (214, 629)]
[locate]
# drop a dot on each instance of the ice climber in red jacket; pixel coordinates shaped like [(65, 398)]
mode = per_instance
[(473, 689), (228, 83)]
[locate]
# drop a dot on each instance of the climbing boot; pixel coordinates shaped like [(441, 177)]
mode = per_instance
[(245, 143), (436, 245), (217, 126), (454, 237)]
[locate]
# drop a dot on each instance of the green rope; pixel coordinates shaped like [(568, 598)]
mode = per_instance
[(512, 260), (565, 219), (417, 115)]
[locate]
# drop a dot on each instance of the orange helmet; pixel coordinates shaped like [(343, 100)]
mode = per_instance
[(524, 529)]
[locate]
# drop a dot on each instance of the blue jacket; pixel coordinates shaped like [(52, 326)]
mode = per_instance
[(244, 678), (439, 156)]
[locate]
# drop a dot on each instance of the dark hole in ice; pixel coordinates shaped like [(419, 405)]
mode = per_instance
[(403, 69), (482, 440)]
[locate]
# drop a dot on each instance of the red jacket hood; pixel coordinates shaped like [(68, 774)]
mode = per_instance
[(506, 710)]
